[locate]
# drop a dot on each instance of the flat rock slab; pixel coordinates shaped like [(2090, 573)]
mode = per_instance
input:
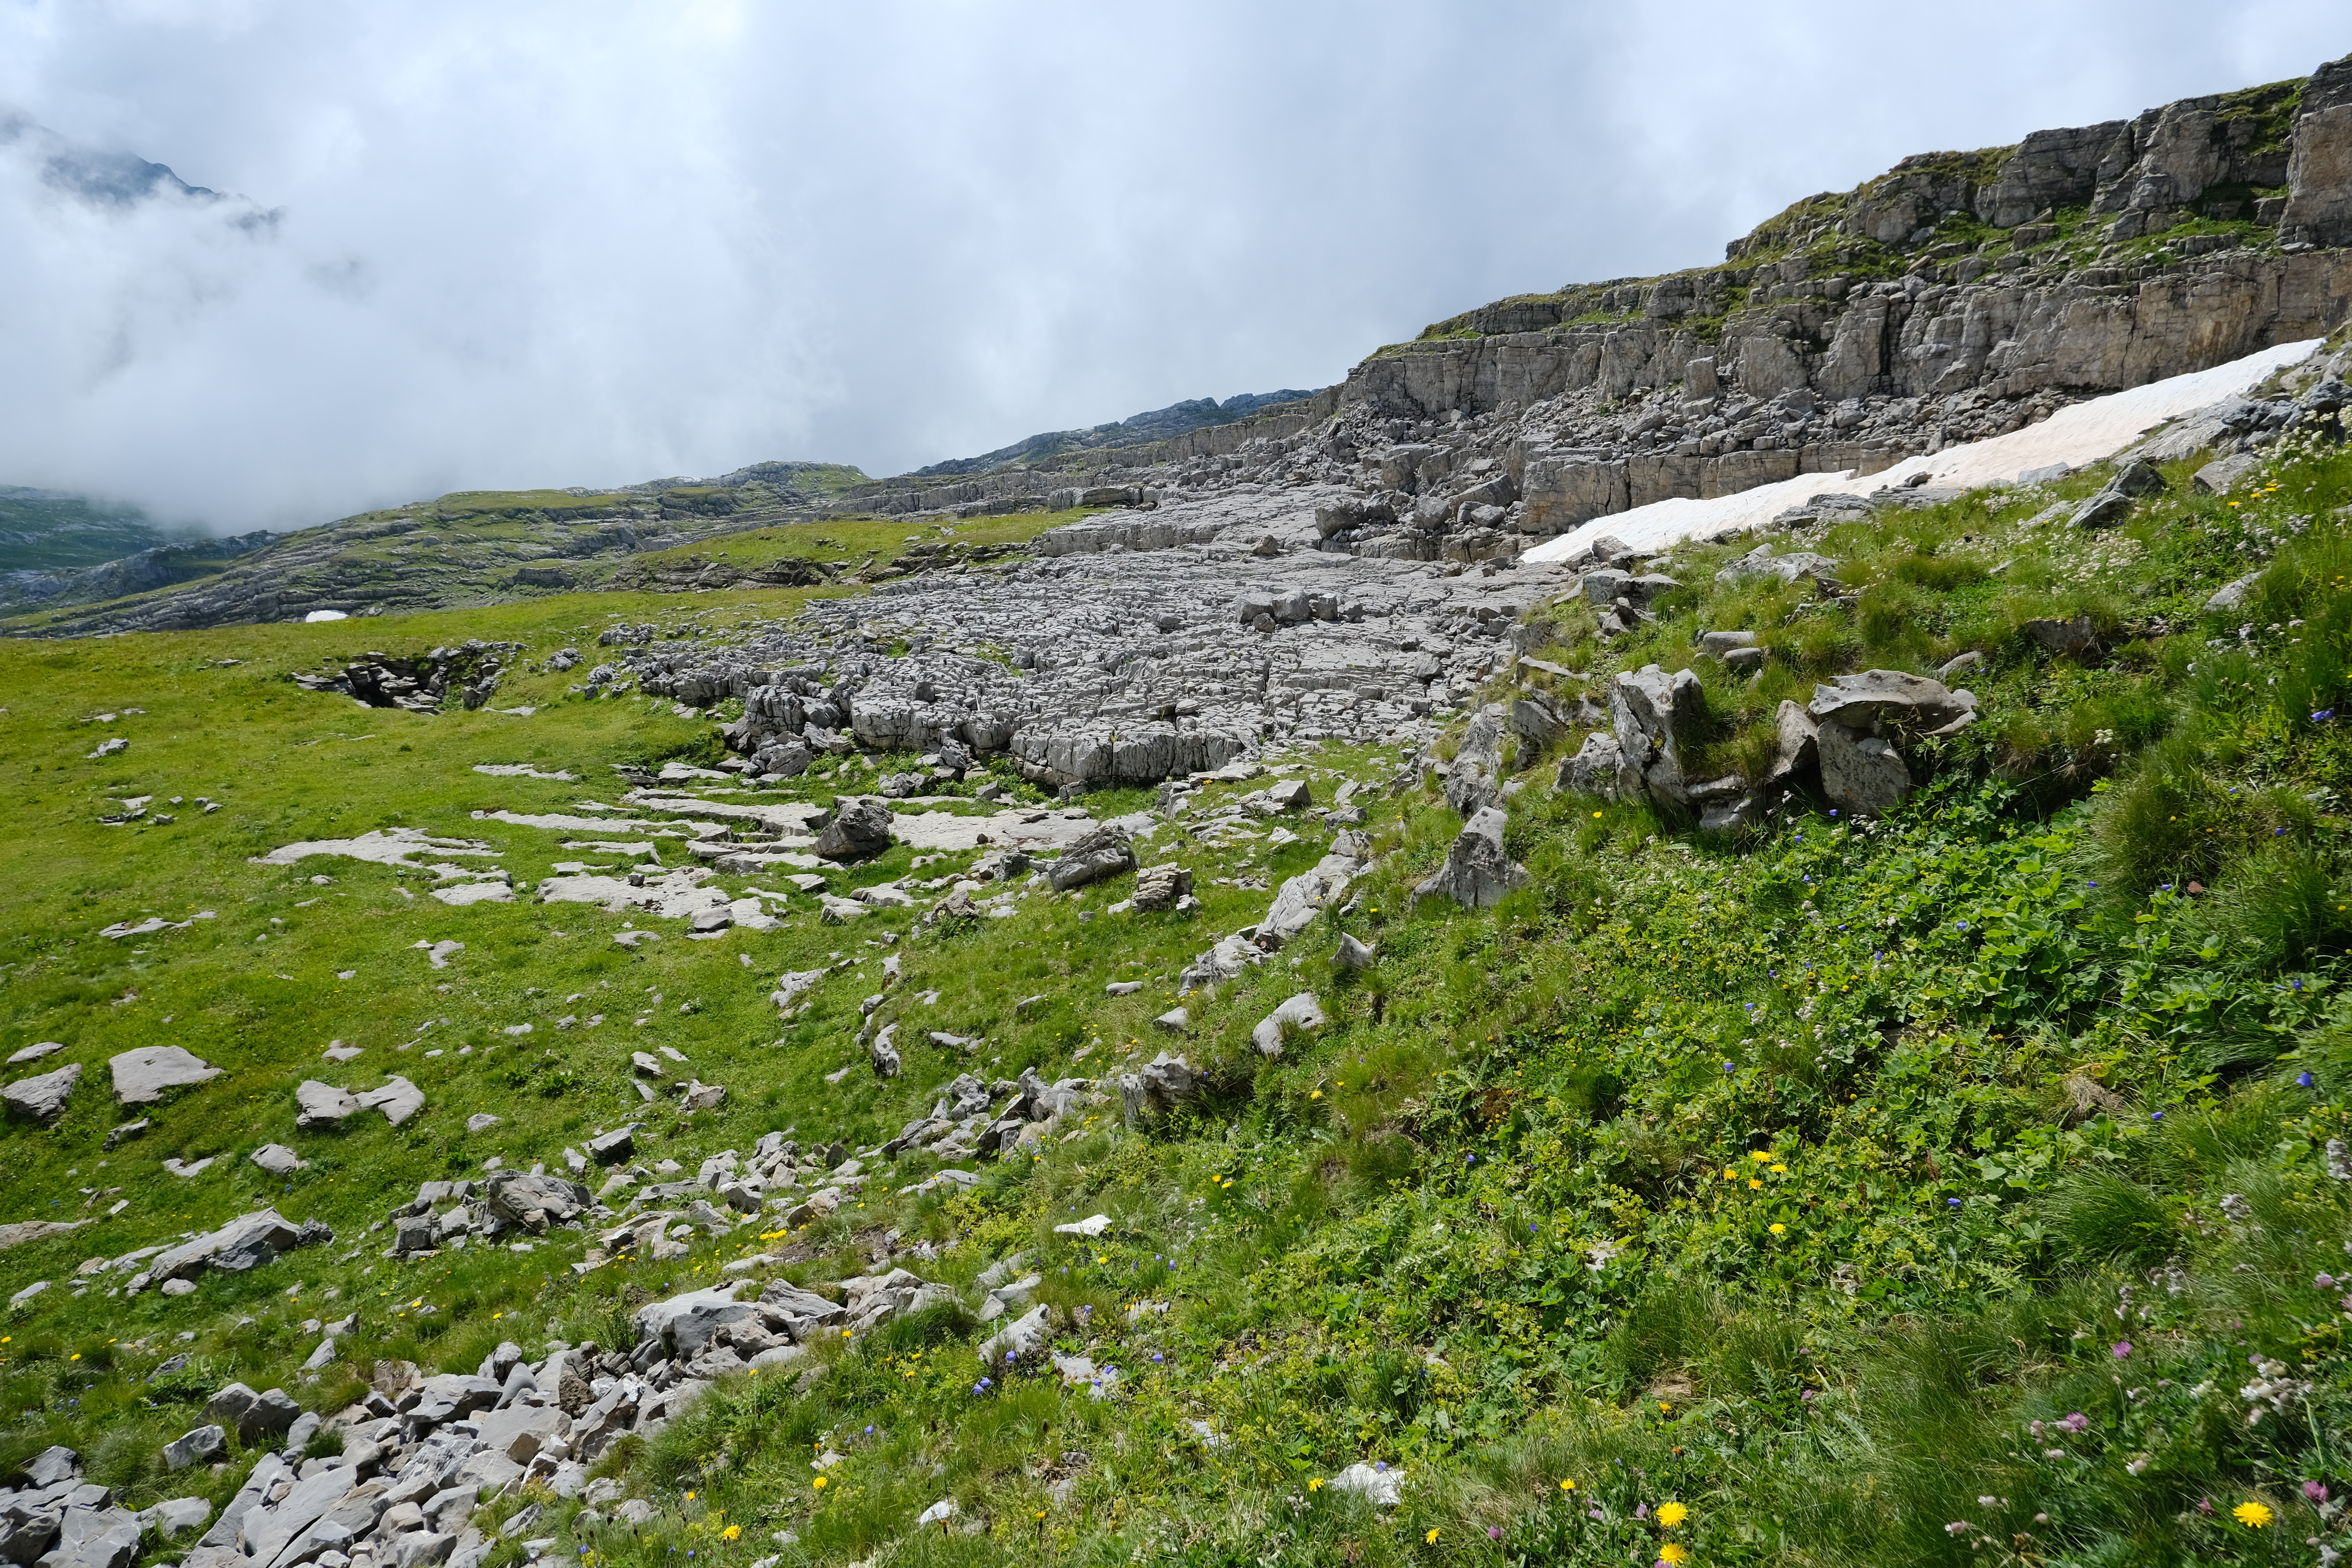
[(43, 1098), (146, 1075)]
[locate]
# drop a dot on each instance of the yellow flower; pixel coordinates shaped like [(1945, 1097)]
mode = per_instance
[(1731, 1173), (1753, 1182), (689, 1497), (1779, 1230), (1671, 1514), (1760, 1157), (1568, 1486), (2252, 1515), (1316, 1485), (819, 1483), (1431, 1538), (1780, 1170), (1674, 1552), (732, 1532), (1317, 1095)]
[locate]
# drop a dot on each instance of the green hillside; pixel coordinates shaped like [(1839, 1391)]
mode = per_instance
[(1966, 1184)]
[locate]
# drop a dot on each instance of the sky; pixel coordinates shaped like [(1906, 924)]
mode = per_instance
[(440, 247)]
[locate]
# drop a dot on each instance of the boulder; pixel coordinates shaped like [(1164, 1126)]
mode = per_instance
[(1475, 781), (610, 1148), (1102, 851), (2076, 635), (323, 1105), (1301, 1013), (143, 1075), (1156, 1089), (1158, 887), (1795, 746), (1654, 715), (398, 1099), (2232, 594), (1866, 700), (884, 1053), (685, 1323), (1025, 1339), (1352, 954), (272, 1414), (277, 1159), (1290, 794), (1593, 770), (1477, 873), (1536, 723), (42, 1099), (200, 1447), (1860, 771), (860, 829), (1302, 898), (246, 1242), (2223, 475), (534, 1203)]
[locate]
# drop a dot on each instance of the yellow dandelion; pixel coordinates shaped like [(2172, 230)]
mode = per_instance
[(1431, 1538), (1672, 1514), (1760, 1157), (819, 1483), (1779, 1230), (689, 1497), (1675, 1552), (1314, 1485), (2252, 1515), (1780, 1170), (1753, 1182)]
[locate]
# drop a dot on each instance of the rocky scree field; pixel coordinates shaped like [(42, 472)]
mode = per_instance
[(582, 1147)]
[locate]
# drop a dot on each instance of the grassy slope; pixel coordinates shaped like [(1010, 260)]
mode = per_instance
[(1749, 1178)]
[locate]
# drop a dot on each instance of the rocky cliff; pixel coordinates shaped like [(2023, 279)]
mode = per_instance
[(1958, 296)]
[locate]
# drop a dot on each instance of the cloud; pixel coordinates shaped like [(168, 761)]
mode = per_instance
[(264, 263)]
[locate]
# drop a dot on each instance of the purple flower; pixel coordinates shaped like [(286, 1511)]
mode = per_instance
[(1640, 1510), (2323, 716), (1807, 1396), (1155, 1355), (2315, 1491), (1951, 1202), (2155, 1116), (2077, 1422), (1494, 1532), (2122, 1350), (2302, 1081), (2324, 1281)]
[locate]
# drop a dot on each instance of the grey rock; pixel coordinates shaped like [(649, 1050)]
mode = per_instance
[(144, 1075), (1594, 770), (1301, 1013), (534, 1203), (1477, 874), (41, 1099), (398, 1099), (1860, 771), (176, 1516), (2104, 508), (277, 1159), (481, 1121), (1654, 715), (2232, 594), (1157, 888), (2223, 475), (323, 1105), (52, 1466), (684, 1324), (1024, 1341), (1874, 696), (860, 829), (2077, 635), (200, 1447), (610, 1148), (242, 1243), (1159, 1086), (272, 1414), (1475, 781), (1795, 746), (1103, 851), (1353, 954)]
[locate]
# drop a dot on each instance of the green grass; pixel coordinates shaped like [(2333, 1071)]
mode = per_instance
[(1792, 1180)]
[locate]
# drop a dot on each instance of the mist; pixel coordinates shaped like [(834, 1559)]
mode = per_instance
[(402, 251)]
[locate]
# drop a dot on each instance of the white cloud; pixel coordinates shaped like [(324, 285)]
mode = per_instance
[(557, 244)]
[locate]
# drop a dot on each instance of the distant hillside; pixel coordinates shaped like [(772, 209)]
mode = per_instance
[(1157, 426), (44, 530)]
